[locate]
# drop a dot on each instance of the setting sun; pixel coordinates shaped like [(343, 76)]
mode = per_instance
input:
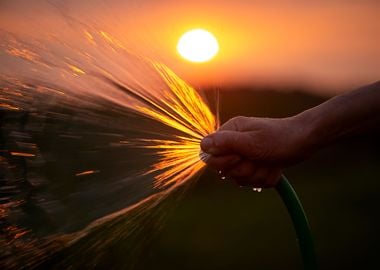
[(197, 45)]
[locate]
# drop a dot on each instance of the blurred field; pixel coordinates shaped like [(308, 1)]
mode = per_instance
[(217, 225)]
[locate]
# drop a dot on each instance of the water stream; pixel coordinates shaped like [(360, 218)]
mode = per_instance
[(93, 138)]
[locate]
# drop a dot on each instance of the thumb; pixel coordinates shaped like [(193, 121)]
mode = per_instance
[(226, 142)]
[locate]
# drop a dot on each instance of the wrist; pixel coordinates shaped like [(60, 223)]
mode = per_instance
[(307, 128)]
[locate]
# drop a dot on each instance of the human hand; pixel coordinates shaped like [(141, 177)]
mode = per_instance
[(253, 151)]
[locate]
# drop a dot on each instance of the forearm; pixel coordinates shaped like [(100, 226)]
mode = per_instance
[(341, 116)]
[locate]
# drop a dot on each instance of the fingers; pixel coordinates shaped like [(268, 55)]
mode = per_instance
[(223, 163), (243, 170), (245, 173), (234, 147), (238, 123), (262, 178), (226, 141), (265, 177)]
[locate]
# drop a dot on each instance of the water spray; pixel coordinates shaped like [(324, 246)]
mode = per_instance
[(95, 78)]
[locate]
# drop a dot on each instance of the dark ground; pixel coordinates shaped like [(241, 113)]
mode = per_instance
[(221, 226), (218, 225)]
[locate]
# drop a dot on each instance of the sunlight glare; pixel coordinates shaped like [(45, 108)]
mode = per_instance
[(197, 45)]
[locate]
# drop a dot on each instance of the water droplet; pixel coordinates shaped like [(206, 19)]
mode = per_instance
[(257, 189)]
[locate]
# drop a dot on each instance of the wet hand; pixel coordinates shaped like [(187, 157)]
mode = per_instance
[(253, 151)]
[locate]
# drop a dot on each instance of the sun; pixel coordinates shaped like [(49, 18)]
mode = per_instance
[(197, 45)]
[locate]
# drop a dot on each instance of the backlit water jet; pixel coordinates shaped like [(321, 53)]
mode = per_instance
[(93, 138)]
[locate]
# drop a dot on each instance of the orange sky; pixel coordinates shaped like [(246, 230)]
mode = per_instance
[(332, 44), (326, 44)]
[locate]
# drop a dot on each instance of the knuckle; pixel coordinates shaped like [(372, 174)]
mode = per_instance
[(239, 120), (234, 123)]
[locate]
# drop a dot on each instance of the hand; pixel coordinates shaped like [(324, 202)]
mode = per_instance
[(253, 151)]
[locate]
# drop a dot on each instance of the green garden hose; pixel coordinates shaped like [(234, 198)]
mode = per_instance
[(300, 223)]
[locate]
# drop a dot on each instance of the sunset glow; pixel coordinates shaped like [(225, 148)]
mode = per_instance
[(120, 149), (198, 45)]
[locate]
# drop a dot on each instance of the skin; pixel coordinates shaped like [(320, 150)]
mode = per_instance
[(254, 151)]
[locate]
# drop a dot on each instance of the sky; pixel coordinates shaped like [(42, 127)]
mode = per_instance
[(332, 46)]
